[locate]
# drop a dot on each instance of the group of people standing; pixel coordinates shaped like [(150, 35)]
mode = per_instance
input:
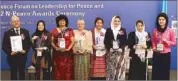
[(95, 54)]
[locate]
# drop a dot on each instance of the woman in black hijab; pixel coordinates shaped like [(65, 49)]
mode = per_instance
[(41, 51)]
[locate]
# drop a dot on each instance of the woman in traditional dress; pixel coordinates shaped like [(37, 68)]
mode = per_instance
[(82, 50), (115, 42), (138, 42), (41, 57), (62, 39), (98, 57)]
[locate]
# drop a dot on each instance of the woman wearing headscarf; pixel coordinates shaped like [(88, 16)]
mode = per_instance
[(62, 39), (82, 50), (162, 40), (115, 42), (98, 57), (138, 42), (42, 56)]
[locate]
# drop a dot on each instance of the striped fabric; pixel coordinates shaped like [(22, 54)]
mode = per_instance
[(82, 66), (98, 67)]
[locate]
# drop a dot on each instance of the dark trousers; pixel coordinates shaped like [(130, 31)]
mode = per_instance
[(17, 64), (161, 66)]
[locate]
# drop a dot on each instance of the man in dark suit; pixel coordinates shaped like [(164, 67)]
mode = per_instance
[(16, 59)]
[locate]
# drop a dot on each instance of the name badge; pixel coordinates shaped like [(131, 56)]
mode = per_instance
[(115, 45), (61, 43), (160, 47), (39, 53)]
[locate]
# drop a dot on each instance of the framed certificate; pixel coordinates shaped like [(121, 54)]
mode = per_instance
[(16, 43)]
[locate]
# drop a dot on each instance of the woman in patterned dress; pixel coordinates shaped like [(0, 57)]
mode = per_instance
[(62, 42), (115, 42)]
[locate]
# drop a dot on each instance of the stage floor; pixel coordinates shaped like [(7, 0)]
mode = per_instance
[(5, 75)]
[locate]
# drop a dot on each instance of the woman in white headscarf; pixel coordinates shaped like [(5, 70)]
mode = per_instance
[(115, 42), (138, 42)]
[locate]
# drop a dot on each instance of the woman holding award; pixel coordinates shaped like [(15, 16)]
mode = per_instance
[(163, 39), (138, 42), (98, 58), (82, 50), (62, 39), (42, 51), (115, 42)]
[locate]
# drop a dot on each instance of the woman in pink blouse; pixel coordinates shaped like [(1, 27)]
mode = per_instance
[(162, 40)]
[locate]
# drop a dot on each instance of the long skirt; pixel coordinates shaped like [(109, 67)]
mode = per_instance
[(137, 69), (115, 66), (161, 66), (63, 66), (98, 67), (82, 66)]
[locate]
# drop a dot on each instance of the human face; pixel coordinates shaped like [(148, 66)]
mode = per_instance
[(116, 22), (162, 22), (81, 24), (140, 27), (40, 26), (99, 24), (15, 21), (62, 23)]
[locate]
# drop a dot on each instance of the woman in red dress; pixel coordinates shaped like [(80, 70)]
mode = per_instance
[(62, 42)]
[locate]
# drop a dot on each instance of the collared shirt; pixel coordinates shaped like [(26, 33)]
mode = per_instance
[(15, 29)]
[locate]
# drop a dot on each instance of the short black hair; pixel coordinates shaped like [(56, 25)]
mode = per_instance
[(139, 21), (98, 18), (60, 17), (157, 22)]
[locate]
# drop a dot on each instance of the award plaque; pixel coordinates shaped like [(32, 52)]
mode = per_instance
[(139, 50), (99, 43)]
